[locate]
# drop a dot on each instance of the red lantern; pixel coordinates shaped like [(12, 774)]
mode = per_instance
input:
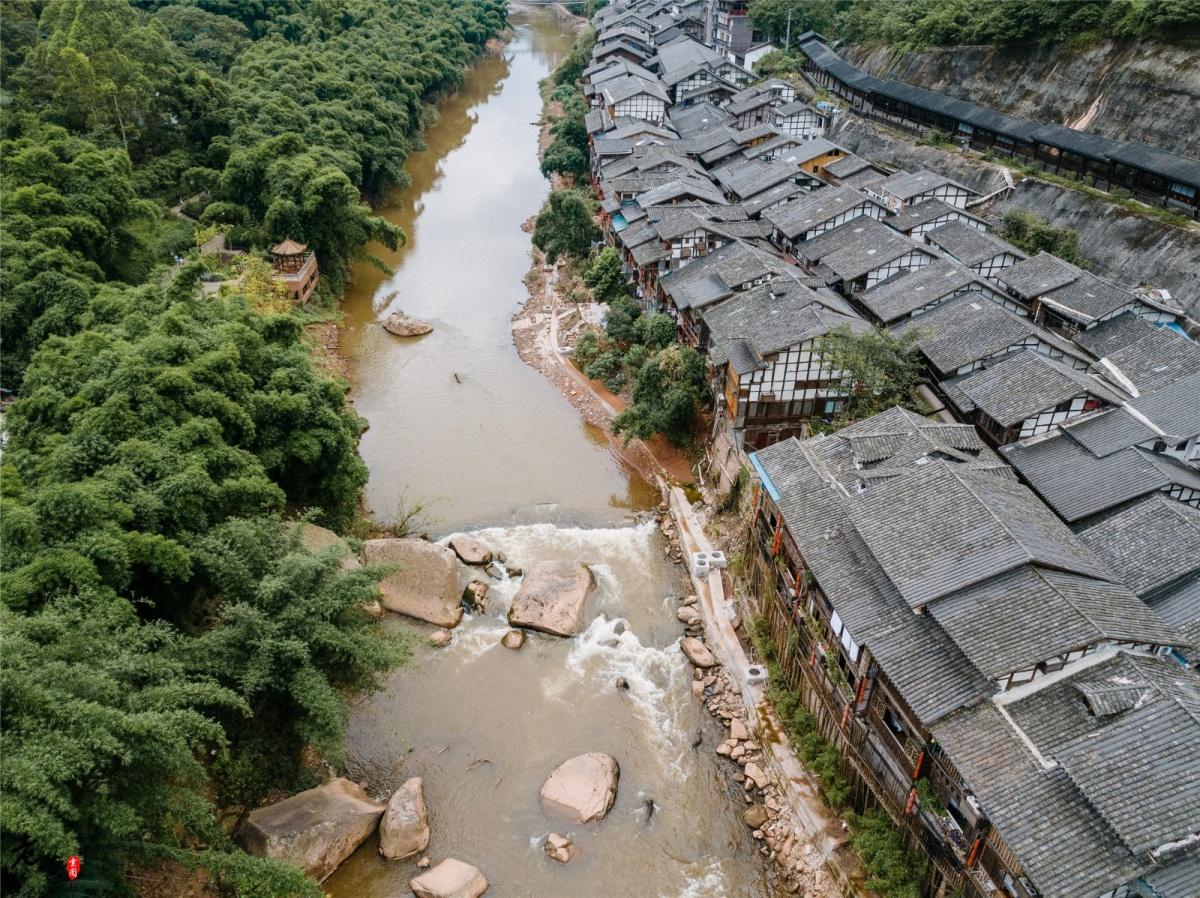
[(74, 865)]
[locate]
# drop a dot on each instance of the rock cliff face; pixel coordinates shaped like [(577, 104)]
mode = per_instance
[(1123, 90)]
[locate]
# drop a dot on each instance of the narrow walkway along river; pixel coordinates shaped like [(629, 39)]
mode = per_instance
[(505, 452)]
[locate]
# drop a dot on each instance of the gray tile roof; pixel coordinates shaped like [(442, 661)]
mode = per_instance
[(907, 185), (1175, 409), (1158, 161), (750, 177), (1038, 275), (901, 295), (969, 245), (1041, 614), (811, 149), (1045, 815), (689, 186), (927, 668), (1147, 804), (1158, 359), (860, 245), (1087, 297), (910, 217), (896, 442), (1116, 333), (1077, 484), (811, 210), (1110, 431), (961, 528), (619, 89), (1153, 546), (968, 328), (698, 119), (772, 317), (1024, 383), (715, 276), (847, 165), (755, 204), (1177, 877)]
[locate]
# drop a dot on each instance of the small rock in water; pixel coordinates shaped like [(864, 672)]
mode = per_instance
[(688, 615), (449, 879), (699, 737), (619, 627), (649, 805), (558, 847), (474, 597), (440, 638), (622, 683), (403, 326), (423, 863), (737, 730), (513, 570), (513, 639)]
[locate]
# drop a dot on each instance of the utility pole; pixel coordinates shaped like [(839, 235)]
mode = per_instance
[(787, 40)]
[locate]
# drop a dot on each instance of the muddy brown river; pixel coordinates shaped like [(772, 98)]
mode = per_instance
[(500, 453)]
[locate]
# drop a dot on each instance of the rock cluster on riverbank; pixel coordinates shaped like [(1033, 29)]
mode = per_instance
[(794, 859)]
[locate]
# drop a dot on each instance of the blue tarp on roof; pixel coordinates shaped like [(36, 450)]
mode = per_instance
[(767, 483)]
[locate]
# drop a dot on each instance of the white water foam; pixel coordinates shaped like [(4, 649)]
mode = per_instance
[(708, 882), (608, 649), (473, 637)]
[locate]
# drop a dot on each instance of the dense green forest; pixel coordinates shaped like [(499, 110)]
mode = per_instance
[(913, 24), (169, 647)]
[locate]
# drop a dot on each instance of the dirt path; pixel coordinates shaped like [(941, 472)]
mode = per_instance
[(536, 335)]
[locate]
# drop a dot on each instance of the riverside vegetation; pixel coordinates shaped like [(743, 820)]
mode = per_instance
[(170, 648)]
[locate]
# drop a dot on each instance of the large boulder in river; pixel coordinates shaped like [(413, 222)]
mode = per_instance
[(316, 829), (426, 584), (403, 326), (583, 787), (551, 598), (404, 829), (470, 550), (449, 879)]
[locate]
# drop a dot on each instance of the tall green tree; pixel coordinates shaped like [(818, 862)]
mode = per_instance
[(565, 226), (666, 397), (875, 369)]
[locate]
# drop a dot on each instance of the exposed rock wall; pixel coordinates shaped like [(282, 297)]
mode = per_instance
[(1126, 248), (1122, 90)]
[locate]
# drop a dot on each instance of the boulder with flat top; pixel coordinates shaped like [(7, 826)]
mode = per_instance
[(316, 829), (402, 325), (583, 787), (449, 879), (425, 584), (551, 598), (470, 550), (404, 829)]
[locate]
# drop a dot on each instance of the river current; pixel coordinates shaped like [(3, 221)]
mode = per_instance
[(458, 421)]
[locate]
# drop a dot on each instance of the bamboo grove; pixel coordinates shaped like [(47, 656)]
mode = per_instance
[(169, 647)]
